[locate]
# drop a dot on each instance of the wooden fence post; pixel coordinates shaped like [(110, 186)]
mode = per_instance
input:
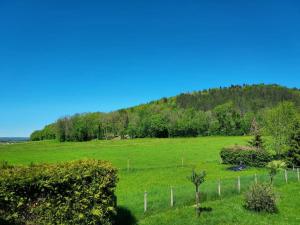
[(219, 187), (298, 175), (255, 178), (285, 176), (145, 201), (172, 197), (239, 184)]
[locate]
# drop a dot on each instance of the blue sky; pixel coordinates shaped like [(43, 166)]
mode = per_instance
[(62, 57)]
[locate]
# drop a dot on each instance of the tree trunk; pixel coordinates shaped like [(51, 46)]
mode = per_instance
[(197, 201)]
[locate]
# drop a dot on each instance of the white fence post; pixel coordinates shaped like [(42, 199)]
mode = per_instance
[(145, 201), (285, 176), (172, 197), (219, 187), (239, 184)]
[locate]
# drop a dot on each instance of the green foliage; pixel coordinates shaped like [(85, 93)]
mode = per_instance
[(157, 126), (220, 111), (5, 165), (279, 124), (246, 155), (257, 141), (197, 179), (247, 98), (229, 119), (261, 197), (79, 192), (49, 132), (274, 167), (292, 156)]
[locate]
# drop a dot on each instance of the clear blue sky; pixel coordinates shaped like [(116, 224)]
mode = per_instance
[(62, 57)]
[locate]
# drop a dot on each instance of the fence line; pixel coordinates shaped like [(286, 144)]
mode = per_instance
[(182, 163), (218, 193)]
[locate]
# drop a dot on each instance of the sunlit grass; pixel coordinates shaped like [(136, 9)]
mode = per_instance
[(154, 166)]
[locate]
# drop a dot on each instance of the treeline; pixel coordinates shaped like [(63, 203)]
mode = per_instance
[(247, 98), (223, 111)]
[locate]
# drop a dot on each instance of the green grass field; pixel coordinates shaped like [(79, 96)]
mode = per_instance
[(156, 165)]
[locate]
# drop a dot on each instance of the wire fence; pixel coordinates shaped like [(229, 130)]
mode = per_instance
[(184, 195)]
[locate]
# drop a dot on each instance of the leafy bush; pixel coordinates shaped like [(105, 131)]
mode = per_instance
[(261, 197), (79, 192), (246, 155)]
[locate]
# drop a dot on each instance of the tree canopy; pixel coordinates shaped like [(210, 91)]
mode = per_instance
[(218, 111)]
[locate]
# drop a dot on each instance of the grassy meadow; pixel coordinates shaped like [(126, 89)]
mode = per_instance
[(155, 165)]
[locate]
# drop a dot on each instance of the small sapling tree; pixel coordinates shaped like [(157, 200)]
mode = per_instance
[(197, 179), (274, 167), (257, 141)]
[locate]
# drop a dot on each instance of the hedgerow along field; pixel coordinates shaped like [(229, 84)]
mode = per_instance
[(154, 165)]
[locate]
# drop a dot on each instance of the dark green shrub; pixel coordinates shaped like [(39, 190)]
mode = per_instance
[(261, 197), (79, 192), (246, 155), (292, 157)]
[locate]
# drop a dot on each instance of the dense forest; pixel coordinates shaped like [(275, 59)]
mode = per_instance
[(218, 111)]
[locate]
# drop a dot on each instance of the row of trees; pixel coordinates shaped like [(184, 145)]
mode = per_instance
[(151, 121), (223, 111)]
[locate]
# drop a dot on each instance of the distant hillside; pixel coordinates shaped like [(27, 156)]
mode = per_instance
[(217, 111), (13, 139)]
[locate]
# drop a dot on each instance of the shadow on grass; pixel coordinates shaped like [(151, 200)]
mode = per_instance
[(205, 209), (124, 217)]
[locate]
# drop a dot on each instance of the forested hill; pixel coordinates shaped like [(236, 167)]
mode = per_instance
[(217, 111), (246, 98)]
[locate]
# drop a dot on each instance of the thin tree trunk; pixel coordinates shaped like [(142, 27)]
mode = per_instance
[(197, 201)]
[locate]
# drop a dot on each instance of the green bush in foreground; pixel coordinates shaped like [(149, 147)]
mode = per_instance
[(261, 197), (246, 155), (79, 192)]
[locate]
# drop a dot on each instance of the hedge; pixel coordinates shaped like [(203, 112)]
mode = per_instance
[(249, 156), (79, 192)]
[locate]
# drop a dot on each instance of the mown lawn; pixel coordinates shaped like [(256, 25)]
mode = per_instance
[(155, 166)]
